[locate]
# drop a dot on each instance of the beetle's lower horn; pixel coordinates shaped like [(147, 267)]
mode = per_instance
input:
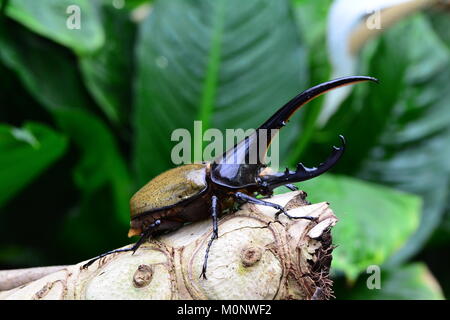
[(303, 173)]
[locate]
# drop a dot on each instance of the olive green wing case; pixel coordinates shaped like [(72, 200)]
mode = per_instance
[(169, 188)]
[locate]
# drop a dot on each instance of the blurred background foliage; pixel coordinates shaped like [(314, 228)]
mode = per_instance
[(86, 117)]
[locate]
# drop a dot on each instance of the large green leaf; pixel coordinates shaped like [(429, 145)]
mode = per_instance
[(107, 73), (47, 70), (100, 163), (440, 21), (15, 255), (34, 58), (24, 154), (399, 132), (132, 4), (312, 19), (49, 18), (92, 227), (409, 282), (230, 64), (374, 221)]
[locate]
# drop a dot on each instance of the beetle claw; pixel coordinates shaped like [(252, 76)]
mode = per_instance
[(277, 215), (203, 275), (283, 211)]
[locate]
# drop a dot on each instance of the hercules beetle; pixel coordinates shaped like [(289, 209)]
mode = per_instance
[(194, 192)]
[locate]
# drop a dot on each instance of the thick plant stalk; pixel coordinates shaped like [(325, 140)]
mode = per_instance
[(10, 279), (255, 257)]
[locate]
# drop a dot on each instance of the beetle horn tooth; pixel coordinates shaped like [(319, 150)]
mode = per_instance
[(342, 146), (301, 167)]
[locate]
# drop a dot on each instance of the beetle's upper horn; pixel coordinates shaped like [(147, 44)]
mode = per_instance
[(280, 117), (229, 165)]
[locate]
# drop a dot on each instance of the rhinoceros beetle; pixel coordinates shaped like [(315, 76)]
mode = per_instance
[(195, 192)]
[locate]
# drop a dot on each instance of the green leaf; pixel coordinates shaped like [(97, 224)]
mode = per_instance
[(132, 4), (440, 22), (52, 18), (24, 154), (311, 16), (374, 221), (46, 69), (312, 19), (103, 215), (62, 93), (92, 227), (16, 255), (410, 282), (230, 64), (398, 132), (441, 235), (101, 163), (107, 73)]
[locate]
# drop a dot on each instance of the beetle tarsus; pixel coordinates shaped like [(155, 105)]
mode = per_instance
[(214, 236), (245, 197), (283, 211), (310, 218), (90, 262), (277, 215)]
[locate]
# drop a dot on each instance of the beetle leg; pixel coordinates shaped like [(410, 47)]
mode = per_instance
[(302, 173), (291, 187), (245, 197), (214, 236), (144, 236)]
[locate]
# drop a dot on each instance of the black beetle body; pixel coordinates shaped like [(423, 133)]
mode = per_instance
[(195, 192)]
